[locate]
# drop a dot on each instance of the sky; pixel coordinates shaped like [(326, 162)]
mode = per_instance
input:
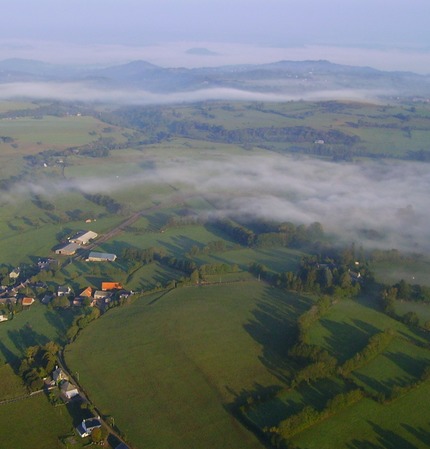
[(391, 35)]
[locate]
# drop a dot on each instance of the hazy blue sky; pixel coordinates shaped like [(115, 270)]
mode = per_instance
[(30, 27)]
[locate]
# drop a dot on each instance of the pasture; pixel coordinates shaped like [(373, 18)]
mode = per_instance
[(169, 375), (35, 326), (35, 423)]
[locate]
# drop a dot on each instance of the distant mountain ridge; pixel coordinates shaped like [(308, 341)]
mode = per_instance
[(277, 77)]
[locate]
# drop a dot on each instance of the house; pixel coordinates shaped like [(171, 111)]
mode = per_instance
[(83, 237), (87, 426), (14, 274), (27, 301), (88, 292), (111, 286), (7, 300), (78, 301), (69, 390), (68, 249), (47, 298), (64, 290), (58, 375), (3, 318), (101, 257), (100, 294)]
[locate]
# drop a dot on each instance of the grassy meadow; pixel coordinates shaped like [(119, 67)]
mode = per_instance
[(182, 358), (173, 367)]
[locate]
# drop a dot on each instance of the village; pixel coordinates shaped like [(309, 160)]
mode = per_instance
[(60, 385), (15, 298)]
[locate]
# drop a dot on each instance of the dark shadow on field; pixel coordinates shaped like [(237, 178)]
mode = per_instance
[(273, 326), (61, 321), (26, 337), (418, 335), (242, 403), (210, 227), (391, 440), (363, 444), (95, 281), (410, 365), (159, 297), (366, 327), (184, 242), (419, 433), (157, 220), (11, 358), (179, 244), (76, 411), (344, 340), (384, 386)]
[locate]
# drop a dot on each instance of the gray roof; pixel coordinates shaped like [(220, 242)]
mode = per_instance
[(104, 256)]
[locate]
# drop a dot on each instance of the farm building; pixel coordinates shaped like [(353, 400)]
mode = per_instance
[(67, 250), (101, 257), (83, 237), (27, 301), (111, 286)]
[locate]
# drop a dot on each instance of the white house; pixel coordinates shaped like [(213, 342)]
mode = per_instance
[(87, 426), (69, 390)]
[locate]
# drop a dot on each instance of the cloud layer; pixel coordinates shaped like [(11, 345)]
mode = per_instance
[(354, 201)]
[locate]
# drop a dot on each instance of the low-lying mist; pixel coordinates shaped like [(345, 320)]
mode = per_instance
[(373, 203), (85, 92)]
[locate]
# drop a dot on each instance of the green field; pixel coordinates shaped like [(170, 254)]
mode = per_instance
[(35, 326), (35, 423), (175, 368), (182, 358), (401, 424)]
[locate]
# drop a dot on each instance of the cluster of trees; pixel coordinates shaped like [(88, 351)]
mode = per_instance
[(309, 416), (100, 148), (175, 222), (143, 256), (42, 203), (311, 276), (106, 201), (216, 246), (267, 235), (376, 344), (404, 292), (400, 390), (39, 362), (81, 321), (217, 268), (6, 139)]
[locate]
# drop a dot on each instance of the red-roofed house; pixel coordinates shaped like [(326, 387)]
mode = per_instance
[(88, 292), (27, 301), (111, 286)]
